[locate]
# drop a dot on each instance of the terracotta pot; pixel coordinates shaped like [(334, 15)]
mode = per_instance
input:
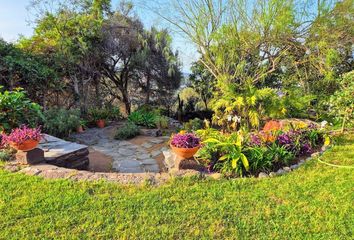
[(26, 146), (100, 123), (184, 152), (79, 129)]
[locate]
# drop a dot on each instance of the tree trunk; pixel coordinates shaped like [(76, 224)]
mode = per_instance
[(126, 102), (147, 100)]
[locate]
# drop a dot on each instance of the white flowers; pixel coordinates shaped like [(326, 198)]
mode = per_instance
[(235, 119)]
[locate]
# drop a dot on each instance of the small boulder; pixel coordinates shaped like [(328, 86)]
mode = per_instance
[(263, 175)]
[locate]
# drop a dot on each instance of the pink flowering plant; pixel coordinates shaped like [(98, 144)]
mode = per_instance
[(185, 140), (22, 134)]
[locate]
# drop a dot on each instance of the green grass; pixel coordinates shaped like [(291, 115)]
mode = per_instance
[(313, 202)]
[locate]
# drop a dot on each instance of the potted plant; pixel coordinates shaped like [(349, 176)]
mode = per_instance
[(82, 125), (99, 116), (23, 138), (185, 145)]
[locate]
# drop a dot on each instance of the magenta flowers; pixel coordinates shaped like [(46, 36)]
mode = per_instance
[(187, 140), (21, 135)]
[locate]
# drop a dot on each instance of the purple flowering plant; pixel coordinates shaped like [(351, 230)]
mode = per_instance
[(22, 134), (185, 140)]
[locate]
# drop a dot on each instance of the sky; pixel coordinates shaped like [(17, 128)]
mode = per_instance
[(15, 21)]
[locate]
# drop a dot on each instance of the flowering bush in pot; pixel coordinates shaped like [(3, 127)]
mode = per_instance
[(185, 144), (23, 138)]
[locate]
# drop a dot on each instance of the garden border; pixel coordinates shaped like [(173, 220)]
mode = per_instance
[(48, 171)]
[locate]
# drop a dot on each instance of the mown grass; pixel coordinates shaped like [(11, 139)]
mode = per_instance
[(313, 202)]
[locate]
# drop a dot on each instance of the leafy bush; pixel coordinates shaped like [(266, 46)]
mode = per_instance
[(242, 154), (193, 125), (96, 114), (127, 131), (162, 122), (143, 118), (113, 113), (61, 122), (16, 109), (4, 155), (224, 151)]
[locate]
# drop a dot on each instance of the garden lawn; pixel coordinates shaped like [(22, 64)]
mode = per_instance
[(313, 202)]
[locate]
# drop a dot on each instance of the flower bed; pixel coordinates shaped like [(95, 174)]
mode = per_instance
[(242, 154)]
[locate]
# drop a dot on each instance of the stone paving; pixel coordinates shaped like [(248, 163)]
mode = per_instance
[(128, 157)]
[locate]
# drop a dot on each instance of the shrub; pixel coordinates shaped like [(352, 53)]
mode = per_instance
[(16, 109), (61, 122), (162, 122), (143, 118), (127, 131), (113, 113), (96, 114), (193, 125), (224, 152), (4, 155)]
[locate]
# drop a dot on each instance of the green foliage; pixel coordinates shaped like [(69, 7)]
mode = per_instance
[(96, 114), (113, 113), (193, 125), (202, 82), (61, 122), (16, 109), (342, 102), (143, 118), (4, 155), (246, 109), (127, 131), (162, 122), (258, 161), (224, 150), (278, 155)]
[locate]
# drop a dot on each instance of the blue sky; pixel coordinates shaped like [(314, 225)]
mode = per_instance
[(14, 20)]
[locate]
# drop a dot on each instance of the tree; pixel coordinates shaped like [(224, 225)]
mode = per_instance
[(119, 45), (22, 69), (158, 68), (342, 102), (202, 82), (69, 34)]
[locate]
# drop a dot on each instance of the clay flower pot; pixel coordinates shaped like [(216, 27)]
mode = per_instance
[(80, 129), (100, 123), (185, 152), (25, 146)]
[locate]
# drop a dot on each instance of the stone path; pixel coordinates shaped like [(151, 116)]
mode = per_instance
[(127, 156)]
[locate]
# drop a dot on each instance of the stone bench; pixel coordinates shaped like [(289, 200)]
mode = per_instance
[(63, 153)]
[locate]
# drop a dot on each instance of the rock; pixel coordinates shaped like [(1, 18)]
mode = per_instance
[(151, 132), (287, 169), (143, 156), (294, 166), (316, 154), (152, 168), (215, 176), (32, 157), (126, 152), (63, 153), (148, 161), (263, 175), (155, 153), (280, 172), (157, 140), (147, 145), (128, 164)]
